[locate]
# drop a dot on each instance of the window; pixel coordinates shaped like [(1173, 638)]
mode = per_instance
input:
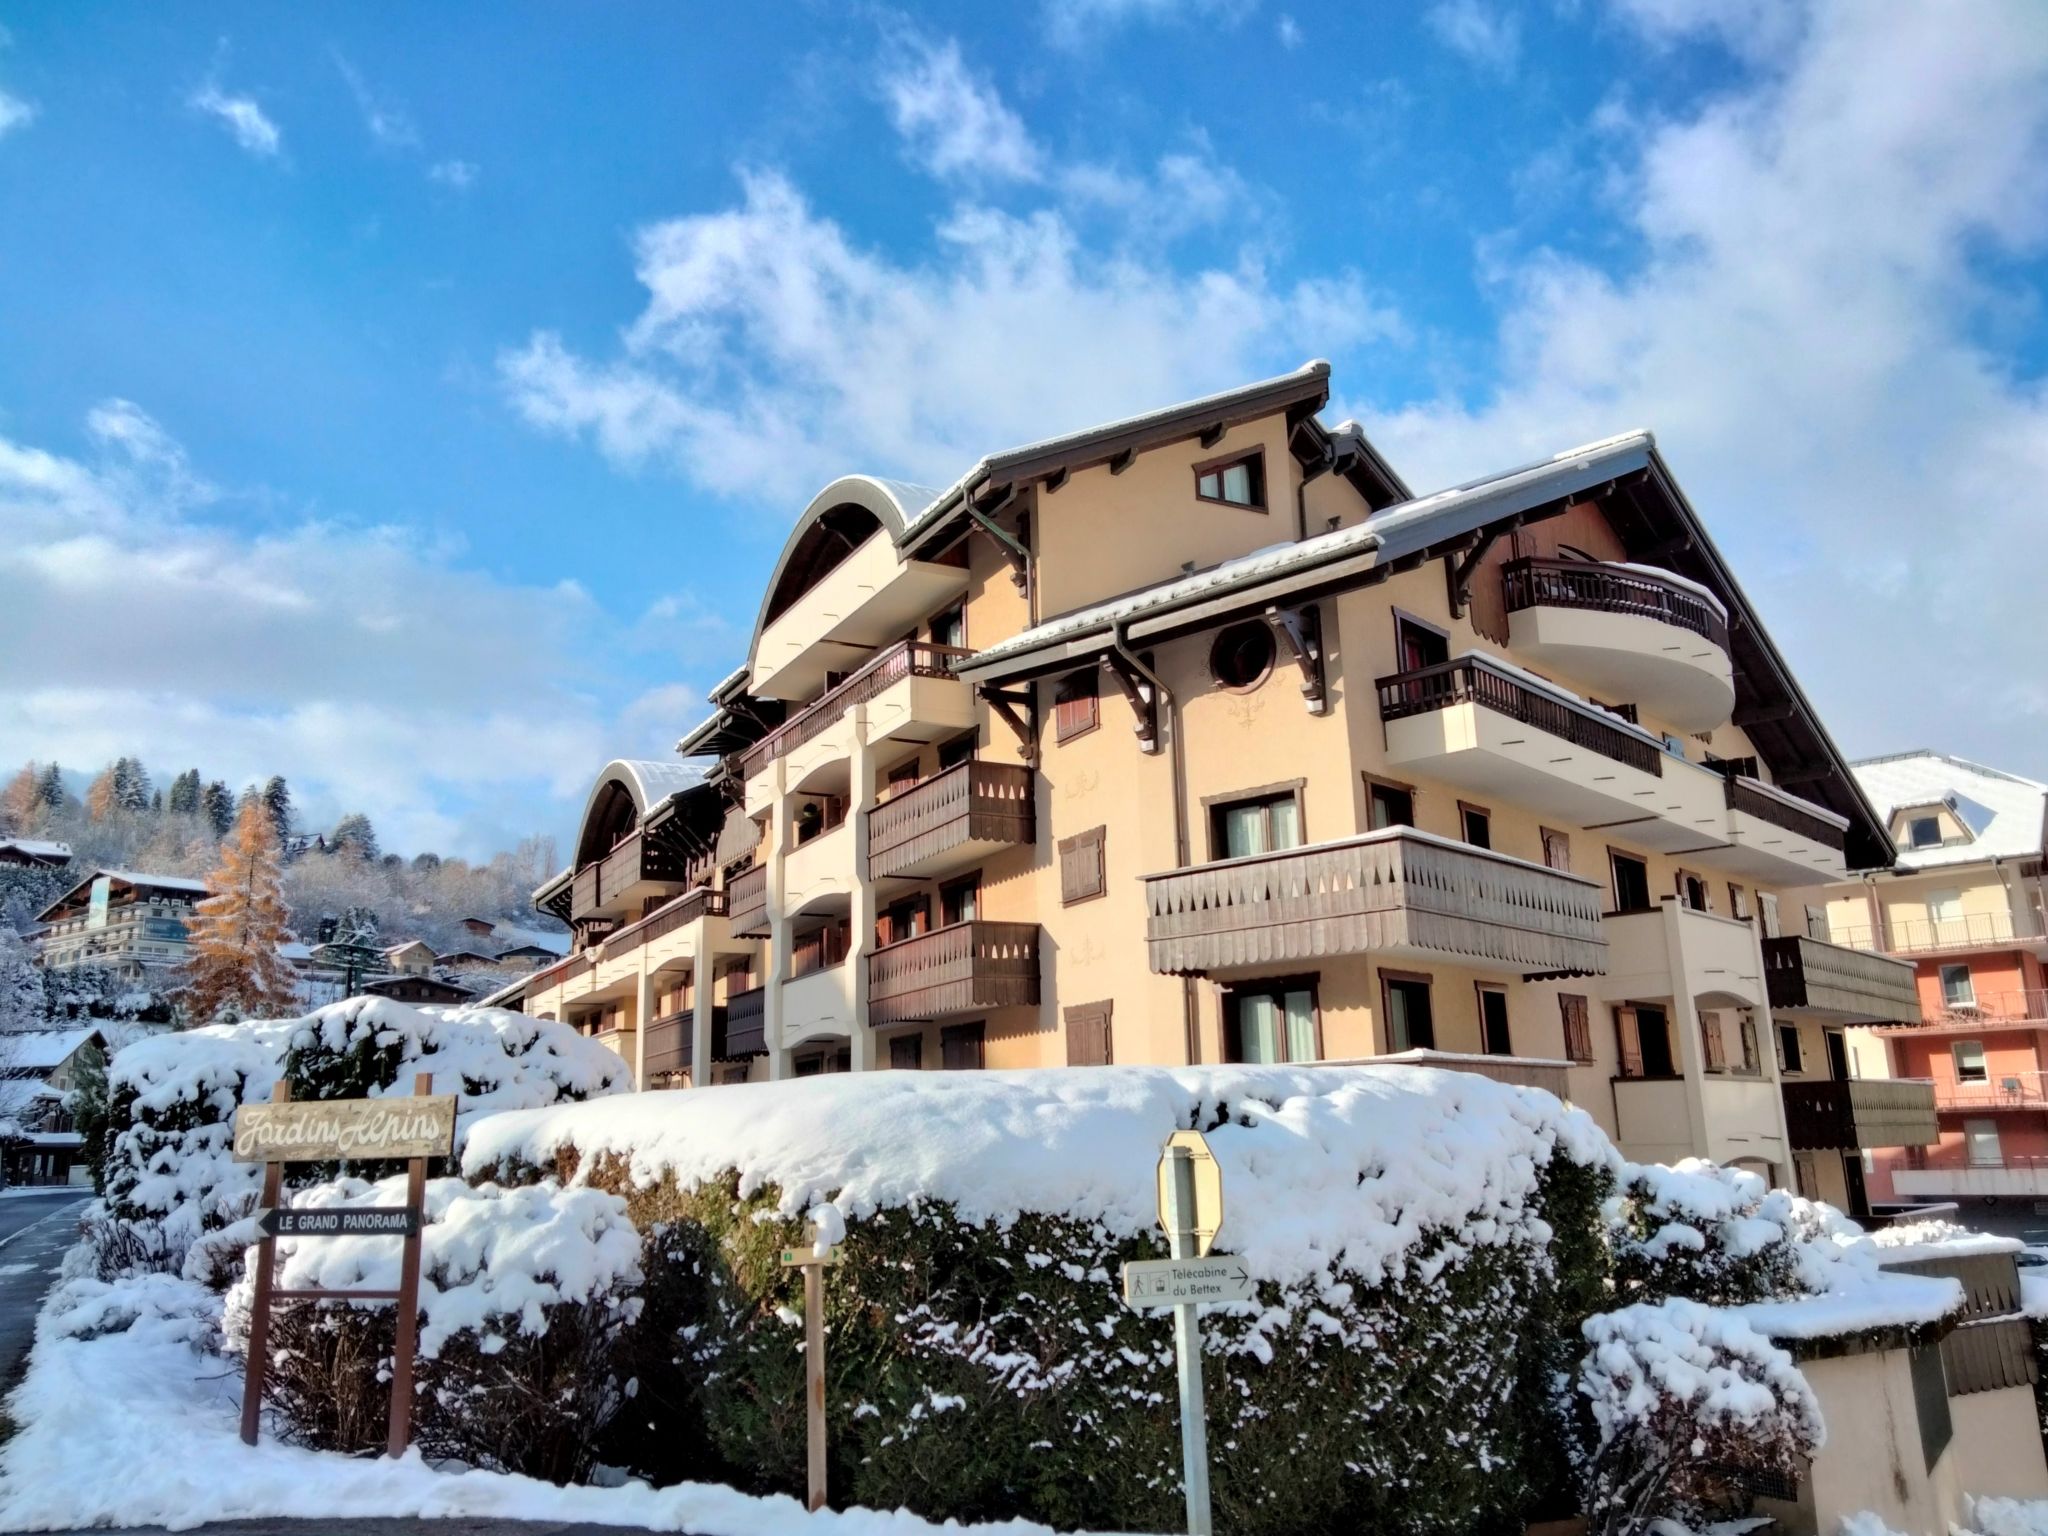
[(1980, 1137), (963, 1047), (1242, 655), (1239, 482), (1713, 1046), (1673, 745), (1083, 867), (1410, 1024), (1752, 1058), (1738, 902), (1265, 822), (1388, 805), (902, 776), (1493, 1022), (1945, 913), (1631, 882), (1578, 1026), (1077, 704), (950, 628), (1692, 890), (1557, 850), (960, 902), (1957, 990), (1088, 1035), (1767, 908), (1271, 1021), (1924, 832), (1645, 1041), (814, 818), (906, 1053), (1930, 1402), (1788, 1048), (957, 751), (1970, 1067), (1476, 822), (904, 919), (1417, 645)]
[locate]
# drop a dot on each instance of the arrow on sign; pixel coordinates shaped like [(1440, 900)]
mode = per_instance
[(1159, 1283), (373, 1221)]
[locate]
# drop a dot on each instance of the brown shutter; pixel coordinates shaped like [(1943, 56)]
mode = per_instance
[(1076, 709), (1631, 1042), (1082, 866), (1578, 1028), (1088, 1035), (962, 1047), (1752, 1061), (1710, 1039)]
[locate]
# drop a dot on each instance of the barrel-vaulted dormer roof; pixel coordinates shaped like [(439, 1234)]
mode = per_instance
[(839, 519), (624, 792)]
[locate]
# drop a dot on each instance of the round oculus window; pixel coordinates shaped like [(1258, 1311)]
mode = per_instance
[(1242, 655)]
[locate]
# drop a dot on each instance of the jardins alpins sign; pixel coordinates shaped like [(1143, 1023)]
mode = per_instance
[(357, 1129)]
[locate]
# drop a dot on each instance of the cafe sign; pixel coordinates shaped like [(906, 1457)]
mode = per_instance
[(321, 1130)]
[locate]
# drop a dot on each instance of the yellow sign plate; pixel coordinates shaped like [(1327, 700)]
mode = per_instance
[(1208, 1188)]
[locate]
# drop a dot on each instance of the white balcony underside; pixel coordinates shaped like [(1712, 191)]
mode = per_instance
[(819, 1006), (1917, 1183), (870, 599), (1680, 676)]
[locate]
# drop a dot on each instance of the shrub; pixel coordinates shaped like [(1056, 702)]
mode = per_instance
[(1714, 1234), (524, 1296)]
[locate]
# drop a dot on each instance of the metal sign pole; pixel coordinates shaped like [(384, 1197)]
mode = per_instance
[(814, 1379), (1187, 1348)]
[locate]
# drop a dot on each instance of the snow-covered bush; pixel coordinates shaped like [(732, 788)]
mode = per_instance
[(524, 1294), (1681, 1397), (1710, 1233), (1418, 1238)]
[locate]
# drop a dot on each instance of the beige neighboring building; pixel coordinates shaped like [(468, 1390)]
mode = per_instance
[(135, 924), (1199, 737)]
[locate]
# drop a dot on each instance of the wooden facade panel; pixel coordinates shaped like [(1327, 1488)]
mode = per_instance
[(1985, 1356), (746, 1025), (1812, 974), (967, 968), (971, 803)]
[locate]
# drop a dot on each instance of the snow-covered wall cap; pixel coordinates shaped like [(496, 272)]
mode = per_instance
[(2015, 809), (1881, 1303), (1321, 1165)]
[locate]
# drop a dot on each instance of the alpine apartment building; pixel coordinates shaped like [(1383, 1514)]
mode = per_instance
[(135, 924), (1198, 737), (1964, 906)]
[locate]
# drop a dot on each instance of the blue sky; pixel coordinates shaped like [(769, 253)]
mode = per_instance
[(411, 400)]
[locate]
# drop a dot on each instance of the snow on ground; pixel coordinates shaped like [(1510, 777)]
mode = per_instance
[(1398, 1151), (2008, 1517)]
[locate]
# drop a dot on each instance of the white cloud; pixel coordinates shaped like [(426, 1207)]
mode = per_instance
[(773, 353), (1076, 23), (1288, 30), (954, 122), (14, 113), (371, 668), (1815, 336), (242, 117), (1488, 38), (459, 174), (389, 125)]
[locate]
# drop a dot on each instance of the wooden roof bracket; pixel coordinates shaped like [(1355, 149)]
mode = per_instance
[(1299, 632), (1139, 695), (1055, 480), (1213, 435), (1458, 570), (1016, 710), (1018, 556), (1123, 461)]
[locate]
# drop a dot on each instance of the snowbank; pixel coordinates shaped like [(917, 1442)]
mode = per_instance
[(1322, 1167)]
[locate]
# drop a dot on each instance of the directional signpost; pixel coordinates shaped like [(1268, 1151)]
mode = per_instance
[(1191, 1211)]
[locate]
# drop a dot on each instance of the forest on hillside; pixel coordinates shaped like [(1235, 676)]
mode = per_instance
[(124, 820)]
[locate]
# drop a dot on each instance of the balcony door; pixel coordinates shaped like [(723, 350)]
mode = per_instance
[(1418, 646)]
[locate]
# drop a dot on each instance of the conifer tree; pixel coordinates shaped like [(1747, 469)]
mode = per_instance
[(21, 986), (236, 931), (219, 806), (50, 788), (278, 797), (131, 784), (353, 834), (184, 799)]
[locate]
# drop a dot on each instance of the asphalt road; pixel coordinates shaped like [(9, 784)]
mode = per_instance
[(35, 1229)]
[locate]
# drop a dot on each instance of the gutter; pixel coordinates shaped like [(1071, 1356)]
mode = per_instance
[(1167, 709)]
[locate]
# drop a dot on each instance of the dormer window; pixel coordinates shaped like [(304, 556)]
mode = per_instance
[(1238, 482), (1924, 832)]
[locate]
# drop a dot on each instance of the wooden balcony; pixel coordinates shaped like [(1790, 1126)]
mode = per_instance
[(1396, 892), (607, 886), (1851, 985), (679, 913), (668, 1047), (1476, 679), (1857, 1113), (747, 903), (952, 819), (908, 658), (746, 1026), (1600, 588), (1788, 813), (967, 968)]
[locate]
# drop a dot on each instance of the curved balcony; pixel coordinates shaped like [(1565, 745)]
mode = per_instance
[(911, 694), (1627, 632)]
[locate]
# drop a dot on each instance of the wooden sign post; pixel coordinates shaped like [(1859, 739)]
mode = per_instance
[(808, 1260), (283, 1132)]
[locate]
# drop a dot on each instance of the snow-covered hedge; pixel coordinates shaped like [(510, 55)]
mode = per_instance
[(174, 1194), (1422, 1240), (1710, 1233), (524, 1294)]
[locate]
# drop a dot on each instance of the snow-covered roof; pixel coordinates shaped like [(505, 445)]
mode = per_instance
[(42, 1050), (35, 848), (2005, 813), (158, 882), (516, 937), (649, 780)]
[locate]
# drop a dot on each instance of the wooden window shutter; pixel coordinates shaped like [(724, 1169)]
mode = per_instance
[(1751, 1059), (1631, 1042), (1076, 704), (962, 1047), (1578, 1026), (1083, 872), (1088, 1043), (1710, 1039)]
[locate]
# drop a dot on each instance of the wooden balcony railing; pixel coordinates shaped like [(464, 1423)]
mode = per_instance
[(668, 1044), (671, 915), (967, 968), (1856, 1113), (747, 902), (746, 1025), (1476, 680), (1395, 888), (1782, 810), (971, 802), (1599, 588), (560, 973), (603, 884), (1813, 974), (907, 658)]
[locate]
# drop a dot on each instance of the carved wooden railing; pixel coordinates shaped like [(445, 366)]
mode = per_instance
[(969, 802), (1608, 589), (967, 968), (1846, 1115), (1477, 680), (1396, 888), (679, 913), (1783, 810), (747, 902), (1800, 972), (668, 1046), (908, 658), (746, 1024), (560, 972)]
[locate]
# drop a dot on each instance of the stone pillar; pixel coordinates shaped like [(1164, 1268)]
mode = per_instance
[(703, 970), (775, 961), (865, 913), (643, 1015)]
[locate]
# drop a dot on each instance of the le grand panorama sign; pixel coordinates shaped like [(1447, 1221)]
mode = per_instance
[(319, 1130)]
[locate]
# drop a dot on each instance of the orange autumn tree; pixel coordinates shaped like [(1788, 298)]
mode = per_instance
[(234, 961)]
